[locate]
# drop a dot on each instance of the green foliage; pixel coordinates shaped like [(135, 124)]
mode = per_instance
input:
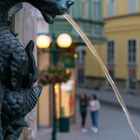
[(53, 74)]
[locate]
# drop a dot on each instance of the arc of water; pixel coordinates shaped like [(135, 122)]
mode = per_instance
[(113, 85)]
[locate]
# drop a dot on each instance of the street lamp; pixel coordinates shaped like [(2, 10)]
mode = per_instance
[(63, 41), (43, 41)]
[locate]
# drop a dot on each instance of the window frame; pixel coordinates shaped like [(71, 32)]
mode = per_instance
[(132, 10), (111, 52), (96, 12), (110, 8), (85, 9), (132, 54)]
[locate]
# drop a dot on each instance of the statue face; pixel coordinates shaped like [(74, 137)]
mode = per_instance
[(51, 8)]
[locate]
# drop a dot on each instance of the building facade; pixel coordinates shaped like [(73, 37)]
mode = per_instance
[(121, 52), (123, 35), (88, 15)]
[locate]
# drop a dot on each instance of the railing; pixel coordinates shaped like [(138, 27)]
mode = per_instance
[(93, 29)]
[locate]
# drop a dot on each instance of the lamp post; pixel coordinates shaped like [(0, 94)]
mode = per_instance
[(63, 41)]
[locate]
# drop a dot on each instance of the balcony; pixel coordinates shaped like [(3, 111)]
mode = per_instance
[(93, 29)]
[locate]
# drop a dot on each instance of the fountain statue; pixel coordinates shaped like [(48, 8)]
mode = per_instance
[(18, 70)]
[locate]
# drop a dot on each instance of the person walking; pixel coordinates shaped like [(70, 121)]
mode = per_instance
[(83, 110), (94, 106)]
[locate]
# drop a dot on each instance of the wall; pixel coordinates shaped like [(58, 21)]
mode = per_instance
[(121, 27), (121, 7), (93, 71), (120, 30), (43, 109), (44, 100), (92, 67), (25, 26)]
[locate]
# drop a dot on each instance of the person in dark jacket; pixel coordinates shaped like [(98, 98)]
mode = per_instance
[(83, 110)]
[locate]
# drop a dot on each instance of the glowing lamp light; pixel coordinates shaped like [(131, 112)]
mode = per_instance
[(75, 55), (64, 40), (43, 41)]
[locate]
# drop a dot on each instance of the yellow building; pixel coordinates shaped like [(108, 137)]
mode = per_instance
[(121, 52)]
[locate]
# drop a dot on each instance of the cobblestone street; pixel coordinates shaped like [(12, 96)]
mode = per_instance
[(112, 126)]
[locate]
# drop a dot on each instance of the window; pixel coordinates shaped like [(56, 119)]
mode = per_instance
[(80, 64), (80, 51), (132, 78), (110, 51), (96, 8), (110, 8), (132, 51), (132, 6), (85, 9)]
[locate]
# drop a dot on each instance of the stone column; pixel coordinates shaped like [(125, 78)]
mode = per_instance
[(29, 32)]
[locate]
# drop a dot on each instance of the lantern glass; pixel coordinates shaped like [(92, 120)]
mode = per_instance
[(43, 41), (64, 40)]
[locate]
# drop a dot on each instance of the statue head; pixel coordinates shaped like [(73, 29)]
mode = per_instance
[(51, 8)]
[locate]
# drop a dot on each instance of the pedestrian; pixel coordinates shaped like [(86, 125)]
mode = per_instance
[(83, 110), (94, 106)]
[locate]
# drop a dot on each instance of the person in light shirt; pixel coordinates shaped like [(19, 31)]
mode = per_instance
[(94, 106)]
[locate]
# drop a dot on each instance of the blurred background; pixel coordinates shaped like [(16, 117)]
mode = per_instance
[(113, 26)]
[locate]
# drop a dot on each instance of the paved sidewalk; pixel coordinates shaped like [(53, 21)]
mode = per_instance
[(131, 101), (112, 126)]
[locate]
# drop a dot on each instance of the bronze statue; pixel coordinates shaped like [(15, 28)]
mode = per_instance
[(18, 70)]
